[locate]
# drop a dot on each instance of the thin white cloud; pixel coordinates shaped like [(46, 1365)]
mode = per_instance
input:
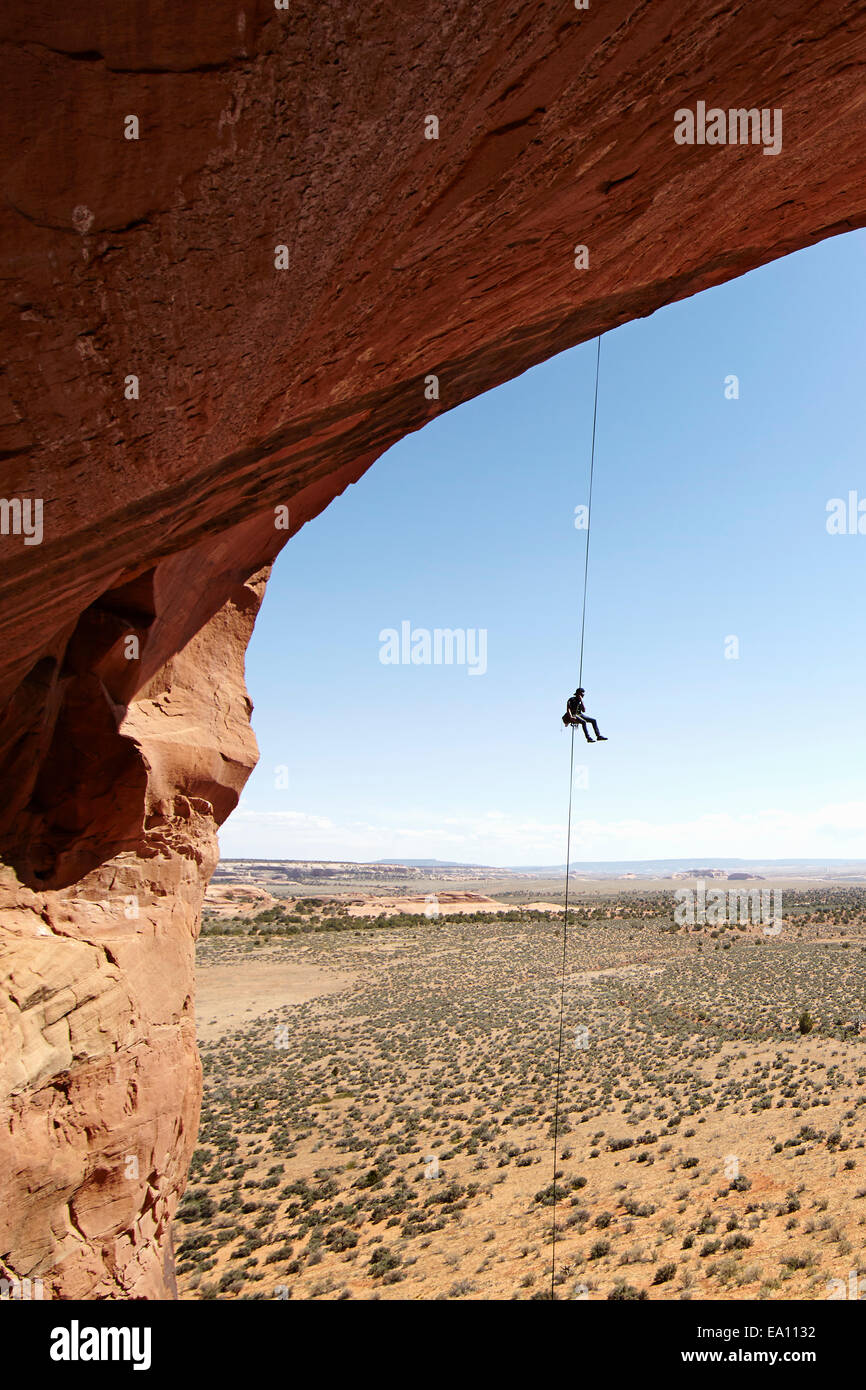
[(494, 837)]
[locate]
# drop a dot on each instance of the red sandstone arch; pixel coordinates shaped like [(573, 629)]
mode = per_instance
[(261, 387)]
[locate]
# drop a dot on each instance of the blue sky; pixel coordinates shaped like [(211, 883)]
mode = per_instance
[(709, 522)]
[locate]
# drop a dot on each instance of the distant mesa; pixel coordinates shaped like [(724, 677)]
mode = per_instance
[(426, 864), (328, 873), (704, 873)]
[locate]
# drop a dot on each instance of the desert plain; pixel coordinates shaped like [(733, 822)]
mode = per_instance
[(380, 1073)]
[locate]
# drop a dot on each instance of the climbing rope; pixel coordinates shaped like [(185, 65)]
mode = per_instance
[(589, 508), (568, 837)]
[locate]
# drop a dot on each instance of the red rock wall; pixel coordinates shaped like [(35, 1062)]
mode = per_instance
[(261, 387)]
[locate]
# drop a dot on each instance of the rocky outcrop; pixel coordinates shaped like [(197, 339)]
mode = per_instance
[(98, 1061), (181, 397)]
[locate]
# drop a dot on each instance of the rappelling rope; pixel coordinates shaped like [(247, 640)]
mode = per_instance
[(568, 838), (589, 508)]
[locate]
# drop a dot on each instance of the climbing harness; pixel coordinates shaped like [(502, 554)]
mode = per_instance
[(568, 837)]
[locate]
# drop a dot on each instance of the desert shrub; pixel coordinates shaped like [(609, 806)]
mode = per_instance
[(738, 1241), (341, 1238), (798, 1261), (546, 1196), (384, 1264), (197, 1205), (283, 1253)]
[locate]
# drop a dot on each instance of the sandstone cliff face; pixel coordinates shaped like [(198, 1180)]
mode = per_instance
[(259, 388), (98, 1062)]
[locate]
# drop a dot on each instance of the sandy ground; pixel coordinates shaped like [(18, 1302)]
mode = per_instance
[(426, 905), (238, 900), (684, 1071), (243, 901), (464, 894), (228, 996)]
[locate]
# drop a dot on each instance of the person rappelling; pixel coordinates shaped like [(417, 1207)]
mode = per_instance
[(575, 714)]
